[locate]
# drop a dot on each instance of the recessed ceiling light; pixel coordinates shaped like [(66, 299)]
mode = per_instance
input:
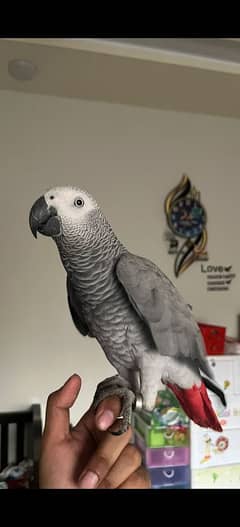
[(22, 70)]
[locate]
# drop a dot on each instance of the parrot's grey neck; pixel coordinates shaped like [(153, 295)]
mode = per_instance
[(89, 252)]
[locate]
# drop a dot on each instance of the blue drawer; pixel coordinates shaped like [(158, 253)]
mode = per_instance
[(172, 487), (169, 476)]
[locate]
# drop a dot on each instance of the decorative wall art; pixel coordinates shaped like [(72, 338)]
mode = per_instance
[(186, 219)]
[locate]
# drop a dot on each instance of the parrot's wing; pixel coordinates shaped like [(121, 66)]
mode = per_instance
[(158, 303), (77, 316)]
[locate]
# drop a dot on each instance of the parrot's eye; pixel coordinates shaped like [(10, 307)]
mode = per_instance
[(51, 197), (78, 202)]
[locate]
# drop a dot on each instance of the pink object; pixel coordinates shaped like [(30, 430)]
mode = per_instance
[(163, 457)]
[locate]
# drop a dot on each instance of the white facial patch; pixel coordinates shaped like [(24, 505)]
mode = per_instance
[(71, 203)]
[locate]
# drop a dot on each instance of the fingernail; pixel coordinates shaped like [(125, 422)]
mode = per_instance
[(105, 419), (89, 481)]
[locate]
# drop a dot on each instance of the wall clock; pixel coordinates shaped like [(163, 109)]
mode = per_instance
[(187, 217)]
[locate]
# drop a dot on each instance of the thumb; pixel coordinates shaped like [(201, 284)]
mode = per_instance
[(97, 422), (59, 402)]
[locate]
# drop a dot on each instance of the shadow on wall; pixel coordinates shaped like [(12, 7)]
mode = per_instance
[(238, 327)]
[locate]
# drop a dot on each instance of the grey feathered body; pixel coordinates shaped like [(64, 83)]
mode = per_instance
[(98, 297), (101, 307), (140, 320)]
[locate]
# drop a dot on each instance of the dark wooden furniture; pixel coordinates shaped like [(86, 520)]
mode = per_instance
[(27, 431)]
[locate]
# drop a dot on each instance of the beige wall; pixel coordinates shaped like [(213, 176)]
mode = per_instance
[(129, 158)]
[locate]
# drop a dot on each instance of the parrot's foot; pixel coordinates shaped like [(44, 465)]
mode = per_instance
[(116, 386)]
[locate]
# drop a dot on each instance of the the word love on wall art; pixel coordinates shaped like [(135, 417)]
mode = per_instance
[(187, 226)]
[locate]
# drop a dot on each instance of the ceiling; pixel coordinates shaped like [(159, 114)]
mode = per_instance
[(222, 49), (194, 75)]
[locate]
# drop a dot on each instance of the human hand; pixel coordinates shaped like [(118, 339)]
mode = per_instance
[(86, 455)]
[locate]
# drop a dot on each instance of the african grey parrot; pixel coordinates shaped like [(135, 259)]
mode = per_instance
[(138, 317)]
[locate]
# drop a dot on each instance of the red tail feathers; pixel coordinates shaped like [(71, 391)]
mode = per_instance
[(197, 405)]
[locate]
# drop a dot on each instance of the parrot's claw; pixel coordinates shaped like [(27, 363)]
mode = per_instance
[(116, 386)]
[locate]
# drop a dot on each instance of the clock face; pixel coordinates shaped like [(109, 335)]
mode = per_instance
[(187, 217)]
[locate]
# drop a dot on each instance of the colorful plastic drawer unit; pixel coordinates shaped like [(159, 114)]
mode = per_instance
[(162, 457), (161, 436), (169, 476), (167, 411)]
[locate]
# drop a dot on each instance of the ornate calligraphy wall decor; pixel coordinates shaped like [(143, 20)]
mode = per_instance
[(186, 219)]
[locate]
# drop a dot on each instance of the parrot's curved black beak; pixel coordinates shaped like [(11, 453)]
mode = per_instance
[(44, 219)]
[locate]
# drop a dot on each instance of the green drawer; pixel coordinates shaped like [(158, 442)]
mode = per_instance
[(160, 436)]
